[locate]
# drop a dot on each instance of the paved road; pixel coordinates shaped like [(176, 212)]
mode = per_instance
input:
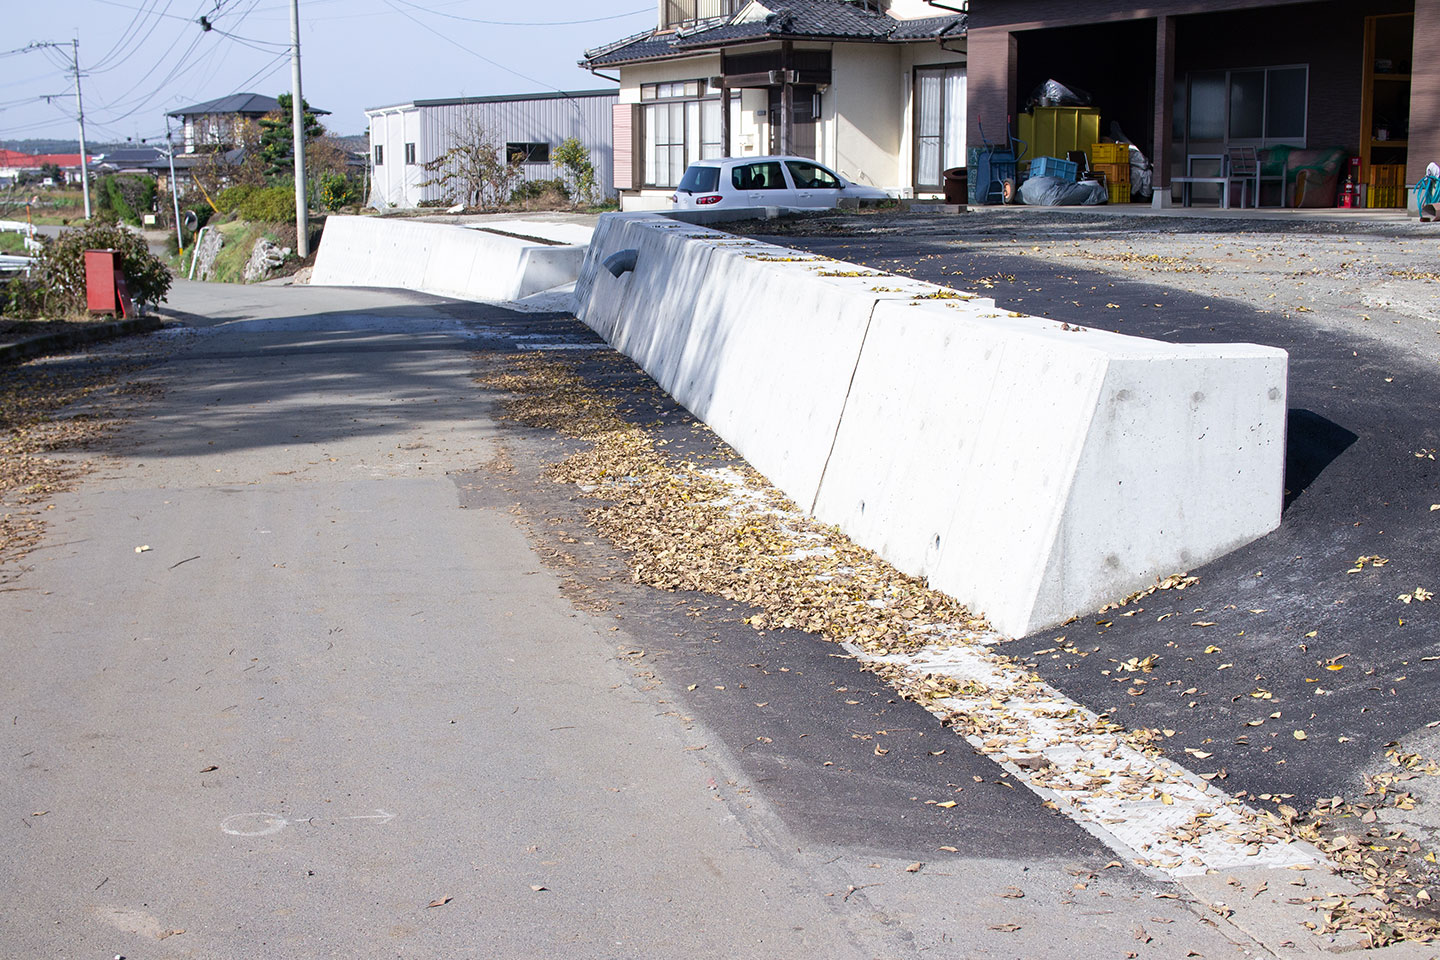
[(337, 685)]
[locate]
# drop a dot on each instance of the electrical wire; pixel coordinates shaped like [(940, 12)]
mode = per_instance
[(127, 40), (480, 56), (126, 6), (252, 43), (526, 23)]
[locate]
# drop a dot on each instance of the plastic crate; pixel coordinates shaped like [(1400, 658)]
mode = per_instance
[(1114, 172), (1386, 175), (1119, 192), (1386, 197), (1110, 153), (1053, 167)]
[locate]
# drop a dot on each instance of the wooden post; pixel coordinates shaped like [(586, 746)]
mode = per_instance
[(1164, 110), (724, 118), (787, 98)]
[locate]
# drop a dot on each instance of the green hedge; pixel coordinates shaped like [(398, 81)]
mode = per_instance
[(262, 204), (56, 285), (126, 197)]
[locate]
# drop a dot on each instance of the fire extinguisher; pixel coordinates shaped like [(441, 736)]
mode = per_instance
[(1350, 192), (1347, 193)]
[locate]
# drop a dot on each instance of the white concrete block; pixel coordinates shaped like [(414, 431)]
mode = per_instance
[(443, 259), (1032, 471), (1036, 473)]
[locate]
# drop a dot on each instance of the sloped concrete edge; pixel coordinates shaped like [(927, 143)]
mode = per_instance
[(1032, 469)]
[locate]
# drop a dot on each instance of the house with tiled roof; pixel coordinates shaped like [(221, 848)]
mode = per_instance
[(874, 89), (215, 124)]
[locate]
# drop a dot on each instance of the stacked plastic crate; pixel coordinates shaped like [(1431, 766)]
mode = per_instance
[(1110, 162), (1386, 185)]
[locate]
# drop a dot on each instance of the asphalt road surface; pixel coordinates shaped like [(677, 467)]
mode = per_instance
[(288, 677), (1288, 624)]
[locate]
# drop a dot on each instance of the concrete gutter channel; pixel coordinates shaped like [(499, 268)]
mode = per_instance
[(701, 309)]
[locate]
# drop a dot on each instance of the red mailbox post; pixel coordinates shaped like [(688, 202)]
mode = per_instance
[(105, 288)]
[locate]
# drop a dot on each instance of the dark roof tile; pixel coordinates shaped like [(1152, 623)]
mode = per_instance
[(789, 19), (255, 104)]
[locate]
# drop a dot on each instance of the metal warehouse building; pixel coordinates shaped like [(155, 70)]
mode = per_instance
[(405, 137)]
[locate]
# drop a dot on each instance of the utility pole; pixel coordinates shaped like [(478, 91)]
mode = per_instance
[(297, 116), (174, 188), (80, 112)]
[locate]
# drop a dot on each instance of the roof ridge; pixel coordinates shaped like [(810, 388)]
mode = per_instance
[(614, 45)]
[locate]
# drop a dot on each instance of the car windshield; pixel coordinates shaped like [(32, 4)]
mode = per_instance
[(699, 179)]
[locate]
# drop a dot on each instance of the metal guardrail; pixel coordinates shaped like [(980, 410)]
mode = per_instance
[(11, 264)]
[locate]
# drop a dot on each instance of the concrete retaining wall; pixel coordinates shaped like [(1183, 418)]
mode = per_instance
[(1032, 471), (443, 259)]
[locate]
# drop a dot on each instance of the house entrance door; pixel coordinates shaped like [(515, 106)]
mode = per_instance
[(805, 113), (939, 124)]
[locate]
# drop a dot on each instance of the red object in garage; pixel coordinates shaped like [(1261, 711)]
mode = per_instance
[(105, 287)]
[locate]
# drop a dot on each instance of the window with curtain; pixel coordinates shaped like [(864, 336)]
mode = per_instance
[(939, 124), (679, 132)]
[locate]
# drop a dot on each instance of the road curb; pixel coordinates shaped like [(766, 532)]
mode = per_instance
[(58, 342)]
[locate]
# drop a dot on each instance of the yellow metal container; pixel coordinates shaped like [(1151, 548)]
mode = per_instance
[(1110, 153), (1055, 131)]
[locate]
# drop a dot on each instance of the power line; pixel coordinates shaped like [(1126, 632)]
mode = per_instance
[(526, 23), (252, 43), (423, 25), (132, 29)]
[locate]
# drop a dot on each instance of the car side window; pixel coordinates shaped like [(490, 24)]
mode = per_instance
[(811, 176), (758, 176)]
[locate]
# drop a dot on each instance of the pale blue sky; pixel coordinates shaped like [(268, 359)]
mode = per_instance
[(147, 57)]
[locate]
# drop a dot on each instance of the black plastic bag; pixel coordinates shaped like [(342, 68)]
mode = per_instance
[(1053, 93)]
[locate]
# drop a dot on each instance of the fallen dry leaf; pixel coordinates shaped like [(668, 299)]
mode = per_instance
[(439, 902)]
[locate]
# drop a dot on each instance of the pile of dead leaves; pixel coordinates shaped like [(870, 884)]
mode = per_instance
[(37, 421), (678, 524)]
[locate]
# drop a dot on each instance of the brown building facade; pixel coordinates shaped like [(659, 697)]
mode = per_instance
[(1184, 78)]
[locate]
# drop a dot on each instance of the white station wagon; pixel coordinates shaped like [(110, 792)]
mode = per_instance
[(792, 182)]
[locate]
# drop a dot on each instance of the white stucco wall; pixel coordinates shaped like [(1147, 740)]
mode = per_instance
[(868, 104)]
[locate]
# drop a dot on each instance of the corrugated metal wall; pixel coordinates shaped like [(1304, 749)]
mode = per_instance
[(551, 120)]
